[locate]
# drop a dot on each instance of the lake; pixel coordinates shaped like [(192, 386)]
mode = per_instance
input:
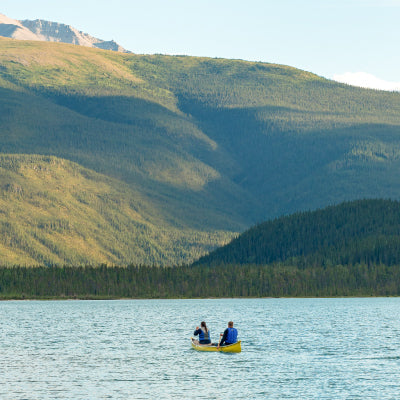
[(140, 349)]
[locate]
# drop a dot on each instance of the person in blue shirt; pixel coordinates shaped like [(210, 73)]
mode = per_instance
[(204, 333), (229, 336)]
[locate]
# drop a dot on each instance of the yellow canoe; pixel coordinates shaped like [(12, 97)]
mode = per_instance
[(232, 348)]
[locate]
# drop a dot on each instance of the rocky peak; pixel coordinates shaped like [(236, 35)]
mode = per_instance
[(52, 32)]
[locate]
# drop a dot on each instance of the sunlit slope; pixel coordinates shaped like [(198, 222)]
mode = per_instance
[(53, 211), (215, 144), (88, 106)]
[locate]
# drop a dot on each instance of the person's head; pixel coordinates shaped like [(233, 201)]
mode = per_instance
[(203, 325), (230, 324)]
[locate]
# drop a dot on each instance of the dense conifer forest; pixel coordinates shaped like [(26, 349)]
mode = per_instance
[(105, 282), (357, 232), (351, 249)]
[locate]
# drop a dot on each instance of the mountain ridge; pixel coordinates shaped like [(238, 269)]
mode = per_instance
[(41, 30), (214, 145)]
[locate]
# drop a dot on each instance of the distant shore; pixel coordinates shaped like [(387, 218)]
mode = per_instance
[(189, 282)]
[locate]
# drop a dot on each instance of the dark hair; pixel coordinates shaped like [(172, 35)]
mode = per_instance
[(203, 324), (230, 324)]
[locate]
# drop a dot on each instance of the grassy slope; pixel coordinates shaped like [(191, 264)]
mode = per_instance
[(210, 144), (54, 211)]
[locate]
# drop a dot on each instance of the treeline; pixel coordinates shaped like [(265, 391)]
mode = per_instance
[(276, 280), (357, 232)]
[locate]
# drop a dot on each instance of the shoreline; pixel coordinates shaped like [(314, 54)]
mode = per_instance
[(89, 298)]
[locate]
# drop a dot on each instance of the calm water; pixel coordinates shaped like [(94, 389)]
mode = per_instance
[(139, 349)]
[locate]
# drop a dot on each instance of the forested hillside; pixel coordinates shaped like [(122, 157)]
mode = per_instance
[(55, 212), (351, 249), (210, 145), (358, 232)]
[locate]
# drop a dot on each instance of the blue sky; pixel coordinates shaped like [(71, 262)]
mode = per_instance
[(357, 39)]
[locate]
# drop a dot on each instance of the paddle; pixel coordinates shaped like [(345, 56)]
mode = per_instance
[(219, 341)]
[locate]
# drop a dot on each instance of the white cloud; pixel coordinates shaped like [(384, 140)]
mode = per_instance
[(365, 80)]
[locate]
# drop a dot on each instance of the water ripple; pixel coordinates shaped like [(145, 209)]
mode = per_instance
[(292, 349)]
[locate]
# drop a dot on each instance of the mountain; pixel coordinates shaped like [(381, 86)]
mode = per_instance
[(14, 29), (363, 231), (52, 32), (212, 146)]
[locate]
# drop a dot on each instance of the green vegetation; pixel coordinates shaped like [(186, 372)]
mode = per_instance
[(351, 233), (104, 282), (53, 211), (347, 250), (209, 146)]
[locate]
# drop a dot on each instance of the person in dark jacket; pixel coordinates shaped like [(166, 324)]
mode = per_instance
[(204, 333), (229, 336)]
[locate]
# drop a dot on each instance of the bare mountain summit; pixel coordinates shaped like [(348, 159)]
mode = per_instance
[(52, 32)]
